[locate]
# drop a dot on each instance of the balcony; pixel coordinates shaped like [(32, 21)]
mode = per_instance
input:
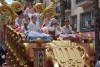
[(67, 10), (84, 3)]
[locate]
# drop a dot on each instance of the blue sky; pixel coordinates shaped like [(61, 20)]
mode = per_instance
[(9, 1)]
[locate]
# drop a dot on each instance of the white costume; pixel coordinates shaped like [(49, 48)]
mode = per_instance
[(97, 64), (57, 32), (33, 27), (16, 22), (53, 28), (67, 30)]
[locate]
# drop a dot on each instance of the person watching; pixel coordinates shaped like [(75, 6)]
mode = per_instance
[(67, 29)]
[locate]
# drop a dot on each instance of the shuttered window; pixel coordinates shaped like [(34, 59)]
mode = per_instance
[(87, 23)]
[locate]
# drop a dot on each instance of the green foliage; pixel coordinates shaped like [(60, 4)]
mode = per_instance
[(3, 19)]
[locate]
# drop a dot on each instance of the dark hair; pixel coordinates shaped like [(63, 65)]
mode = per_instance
[(66, 20), (19, 12), (56, 17), (33, 16), (26, 15)]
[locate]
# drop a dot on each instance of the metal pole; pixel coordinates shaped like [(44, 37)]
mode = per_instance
[(97, 28)]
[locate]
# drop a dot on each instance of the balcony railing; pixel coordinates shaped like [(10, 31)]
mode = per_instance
[(83, 3)]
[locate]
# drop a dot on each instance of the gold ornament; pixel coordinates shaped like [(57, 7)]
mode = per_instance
[(50, 9), (39, 7), (9, 8)]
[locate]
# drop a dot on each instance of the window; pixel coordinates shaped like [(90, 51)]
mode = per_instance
[(67, 4), (45, 3), (87, 23), (79, 1), (74, 23), (58, 9)]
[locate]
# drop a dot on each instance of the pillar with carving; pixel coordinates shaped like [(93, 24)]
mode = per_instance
[(39, 54)]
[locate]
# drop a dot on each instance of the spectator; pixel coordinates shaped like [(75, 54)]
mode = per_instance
[(67, 28)]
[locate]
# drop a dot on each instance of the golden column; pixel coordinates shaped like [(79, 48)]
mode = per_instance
[(39, 54)]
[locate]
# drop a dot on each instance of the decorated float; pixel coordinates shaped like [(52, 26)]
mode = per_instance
[(56, 53)]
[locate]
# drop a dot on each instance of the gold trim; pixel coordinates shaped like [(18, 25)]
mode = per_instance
[(6, 8)]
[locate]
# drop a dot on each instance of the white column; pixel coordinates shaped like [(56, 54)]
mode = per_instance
[(78, 22), (73, 4)]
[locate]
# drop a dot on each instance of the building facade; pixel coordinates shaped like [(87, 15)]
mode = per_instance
[(80, 14)]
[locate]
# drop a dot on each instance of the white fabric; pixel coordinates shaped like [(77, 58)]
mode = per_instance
[(39, 18), (57, 32), (67, 35), (97, 64), (36, 34), (3, 56), (66, 30), (53, 20), (51, 28), (16, 22), (30, 15), (33, 27), (43, 35), (33, 34)]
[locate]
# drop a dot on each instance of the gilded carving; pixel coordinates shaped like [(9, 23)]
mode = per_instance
[(9, 8)]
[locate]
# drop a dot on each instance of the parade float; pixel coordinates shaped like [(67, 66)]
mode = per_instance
[(57, 53)]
